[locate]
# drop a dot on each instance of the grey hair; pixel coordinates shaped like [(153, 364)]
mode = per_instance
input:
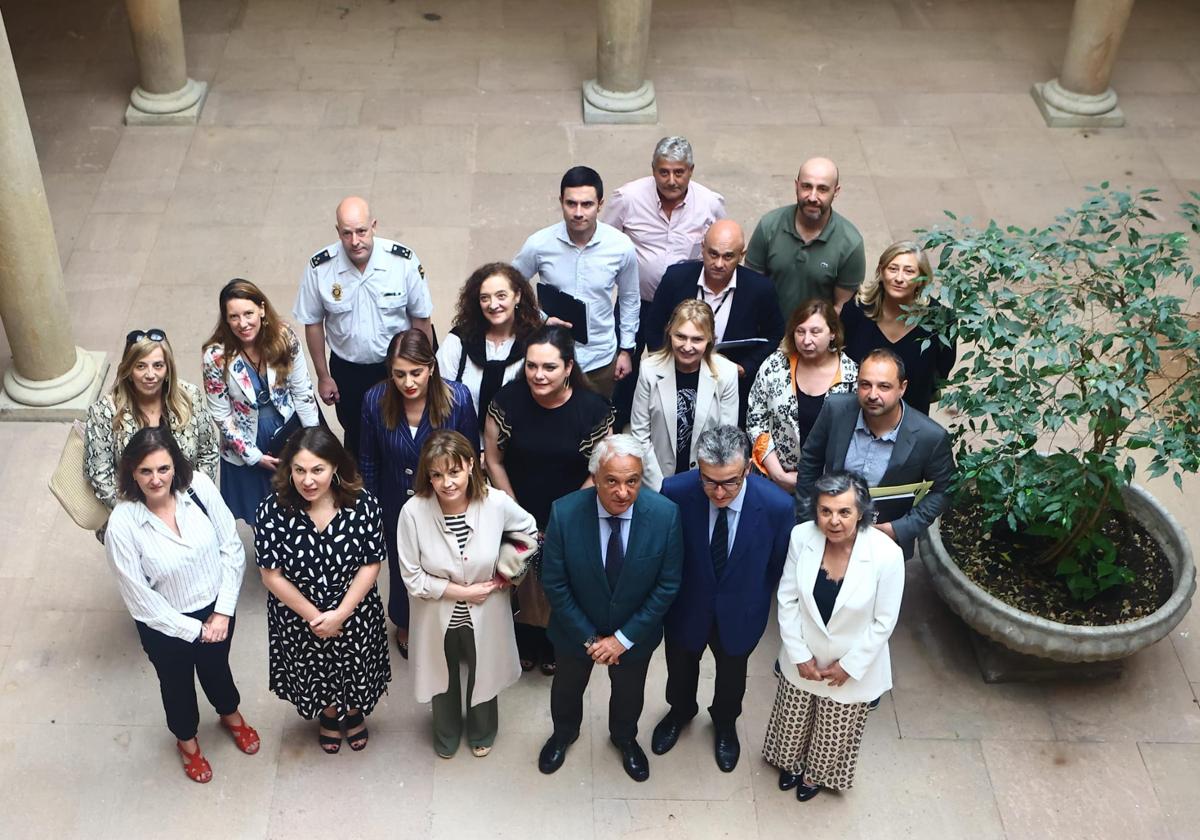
[(673, 148), (722, 444), (837, 483), (614, 446)]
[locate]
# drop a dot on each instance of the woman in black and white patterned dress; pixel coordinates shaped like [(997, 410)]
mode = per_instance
[(319, 544)]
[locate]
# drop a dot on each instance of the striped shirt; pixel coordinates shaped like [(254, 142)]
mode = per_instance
[(161, 575), (456, 524)]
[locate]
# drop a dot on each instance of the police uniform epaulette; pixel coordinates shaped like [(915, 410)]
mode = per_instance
[(322, 257), (400, 251)]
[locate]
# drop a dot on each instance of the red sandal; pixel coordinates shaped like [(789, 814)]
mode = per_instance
[(244, 736), (195, 765)]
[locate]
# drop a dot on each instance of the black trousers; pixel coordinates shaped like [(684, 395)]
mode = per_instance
[(353, 381), (683, 675), (397, 604), (179, 663), (628, 692), (622, 398)]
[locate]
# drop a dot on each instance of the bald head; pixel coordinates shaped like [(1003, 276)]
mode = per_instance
[(723, 248), (816, 187), (356, 229)]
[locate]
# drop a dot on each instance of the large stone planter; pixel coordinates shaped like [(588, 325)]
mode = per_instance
[(1029, 634)]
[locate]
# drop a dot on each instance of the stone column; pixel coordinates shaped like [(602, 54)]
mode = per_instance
[(166, 96), (1081, 96), (621, 93), (49, 378)]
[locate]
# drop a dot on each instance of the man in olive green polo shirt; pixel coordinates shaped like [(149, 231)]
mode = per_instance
[(806, 248)]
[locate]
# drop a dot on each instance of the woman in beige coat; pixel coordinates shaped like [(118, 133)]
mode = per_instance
[(684, 389), (449, 537)]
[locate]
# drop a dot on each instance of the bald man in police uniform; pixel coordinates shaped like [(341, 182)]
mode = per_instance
[(356, 295)]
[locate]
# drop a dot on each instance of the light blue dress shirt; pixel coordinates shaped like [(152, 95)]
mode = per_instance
[(870, 455), (589, 274)]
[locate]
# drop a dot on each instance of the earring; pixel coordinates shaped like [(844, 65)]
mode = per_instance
[(337, 481)]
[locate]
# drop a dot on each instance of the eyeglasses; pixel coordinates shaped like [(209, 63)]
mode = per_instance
[(154, 334), (727, 484)]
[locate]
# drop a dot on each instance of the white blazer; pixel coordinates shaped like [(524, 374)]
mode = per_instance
[(863, 618), (653, 420)]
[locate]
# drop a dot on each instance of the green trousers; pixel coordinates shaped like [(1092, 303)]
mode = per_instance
[(482, 720)]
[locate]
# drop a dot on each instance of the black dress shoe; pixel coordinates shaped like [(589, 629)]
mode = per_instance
[(805, 792), (787, 780), (634, 760), (726, 749), (553, 754), (666, 734)]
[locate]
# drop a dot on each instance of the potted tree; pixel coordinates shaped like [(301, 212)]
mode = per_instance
[(1081, 371)]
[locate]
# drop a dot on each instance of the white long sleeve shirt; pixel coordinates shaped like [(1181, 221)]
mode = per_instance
[(162, 576)]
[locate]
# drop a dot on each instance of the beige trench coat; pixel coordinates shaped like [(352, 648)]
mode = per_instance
[(429, 560)]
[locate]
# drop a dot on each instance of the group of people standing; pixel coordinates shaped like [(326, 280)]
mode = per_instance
[(505, 439)]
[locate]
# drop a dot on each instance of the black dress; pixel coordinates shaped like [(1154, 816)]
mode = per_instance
[(350, 671), (925, 368), (546, 450)]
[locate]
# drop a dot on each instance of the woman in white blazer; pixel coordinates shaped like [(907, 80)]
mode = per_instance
[(683, 390), (449, 537), (256, 380), (838, 603)]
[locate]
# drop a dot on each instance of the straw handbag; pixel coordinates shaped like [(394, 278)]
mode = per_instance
[(70, 486)]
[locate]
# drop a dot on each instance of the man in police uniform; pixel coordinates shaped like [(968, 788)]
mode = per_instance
[(358, 293)]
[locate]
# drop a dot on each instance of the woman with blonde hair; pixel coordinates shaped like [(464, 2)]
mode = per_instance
[(791, 387), (450, 535), (884, 314), (259, 392), (147, 393), (683, 390), (398, 416)]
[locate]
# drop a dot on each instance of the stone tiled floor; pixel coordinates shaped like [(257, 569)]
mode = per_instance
[(456, 130)]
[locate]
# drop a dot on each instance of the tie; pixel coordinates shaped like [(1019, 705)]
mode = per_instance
[(615, 557), (719, 544)]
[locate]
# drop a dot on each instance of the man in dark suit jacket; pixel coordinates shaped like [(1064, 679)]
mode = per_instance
[(736, 529), (743, 301), (874, 433), (610, 567)]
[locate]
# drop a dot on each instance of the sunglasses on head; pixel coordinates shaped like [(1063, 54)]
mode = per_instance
[(154, 334)]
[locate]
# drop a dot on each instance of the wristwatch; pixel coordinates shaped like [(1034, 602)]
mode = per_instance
[(590, 640)]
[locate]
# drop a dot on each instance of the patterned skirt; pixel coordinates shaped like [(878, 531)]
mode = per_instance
[(815, 735), (350, 671)]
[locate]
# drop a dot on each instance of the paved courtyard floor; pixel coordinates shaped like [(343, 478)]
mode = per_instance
[(457, 130)]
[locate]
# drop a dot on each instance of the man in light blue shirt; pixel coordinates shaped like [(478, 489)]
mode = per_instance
[(589, 260)]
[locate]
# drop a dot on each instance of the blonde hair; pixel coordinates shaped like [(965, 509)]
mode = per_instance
[(176, 407), (870, 295), (699, 313)]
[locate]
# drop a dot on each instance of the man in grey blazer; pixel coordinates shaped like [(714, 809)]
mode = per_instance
[(874, 433)]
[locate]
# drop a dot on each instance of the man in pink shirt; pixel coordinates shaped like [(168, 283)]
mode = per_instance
[(666, 215)]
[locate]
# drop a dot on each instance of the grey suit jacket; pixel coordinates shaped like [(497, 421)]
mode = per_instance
[(921, 453)]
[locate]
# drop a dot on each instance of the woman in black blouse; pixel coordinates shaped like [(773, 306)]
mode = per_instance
[(882, 314), (538, 437), (319, 543)]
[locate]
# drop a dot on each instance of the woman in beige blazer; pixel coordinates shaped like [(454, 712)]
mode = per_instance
[(683, 390), (839, 598), (449, 537)]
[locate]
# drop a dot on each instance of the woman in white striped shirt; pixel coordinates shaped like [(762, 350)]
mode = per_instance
[(178, 561), (449, 537)]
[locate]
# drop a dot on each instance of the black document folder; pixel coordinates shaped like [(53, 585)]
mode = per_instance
[(558, 304)]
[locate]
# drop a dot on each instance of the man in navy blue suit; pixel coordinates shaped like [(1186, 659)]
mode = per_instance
[(744, 302), (736, 528)]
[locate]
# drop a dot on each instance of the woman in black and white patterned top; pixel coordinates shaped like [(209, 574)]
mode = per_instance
[(449, 538), (179, 563), (319, 543)]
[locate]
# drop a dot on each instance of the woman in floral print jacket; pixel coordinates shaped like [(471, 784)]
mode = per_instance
[(255, 379)]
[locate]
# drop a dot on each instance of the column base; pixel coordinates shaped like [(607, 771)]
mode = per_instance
[(182, 107), (1063, 109), (606, 106), (66, 397)]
